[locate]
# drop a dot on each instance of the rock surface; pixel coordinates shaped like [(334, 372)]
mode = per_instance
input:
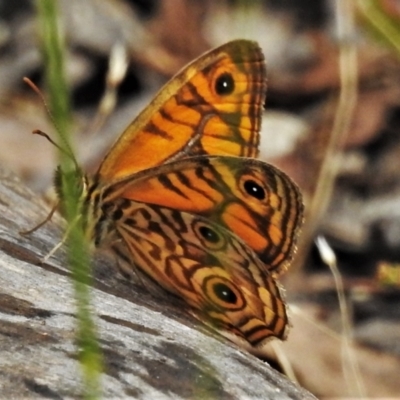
[(151, 348)]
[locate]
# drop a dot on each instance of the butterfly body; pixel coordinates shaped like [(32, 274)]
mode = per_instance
[(181, 197)]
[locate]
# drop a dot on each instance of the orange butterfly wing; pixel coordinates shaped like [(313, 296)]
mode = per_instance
[(213, 106), (206, 265), (255, 200)]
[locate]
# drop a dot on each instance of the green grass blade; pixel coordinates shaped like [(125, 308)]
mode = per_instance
[(53, 49)]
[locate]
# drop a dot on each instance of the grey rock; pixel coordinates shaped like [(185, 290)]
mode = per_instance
[(152, 348)]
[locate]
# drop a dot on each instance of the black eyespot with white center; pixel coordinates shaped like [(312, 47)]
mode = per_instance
[(209, 236), (222, 292), (224, 84), (254, 189)]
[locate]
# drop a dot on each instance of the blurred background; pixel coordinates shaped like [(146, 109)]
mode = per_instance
[(308, 130)]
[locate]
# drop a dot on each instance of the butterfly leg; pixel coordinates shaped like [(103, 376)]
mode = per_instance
[(40, 224), (61, 242), (53, 250)]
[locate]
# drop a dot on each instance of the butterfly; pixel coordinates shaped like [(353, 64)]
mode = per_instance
[(181, 197)]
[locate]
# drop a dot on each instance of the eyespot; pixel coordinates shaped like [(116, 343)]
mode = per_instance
[(209, 236), (254, 189), (224, 84), (223, 293)]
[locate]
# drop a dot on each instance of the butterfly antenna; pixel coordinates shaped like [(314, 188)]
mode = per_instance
[(45, 135), (66, 149)]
